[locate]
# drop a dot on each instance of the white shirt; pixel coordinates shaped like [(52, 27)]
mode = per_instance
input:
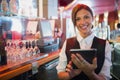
[(85, 43)]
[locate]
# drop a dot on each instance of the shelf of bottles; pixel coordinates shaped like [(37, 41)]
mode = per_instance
[(102, 30), (19, 50)]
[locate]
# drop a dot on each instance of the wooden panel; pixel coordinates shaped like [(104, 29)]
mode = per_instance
[(50, 8)]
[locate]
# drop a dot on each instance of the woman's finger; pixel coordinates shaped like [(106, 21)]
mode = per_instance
[(95, 63)]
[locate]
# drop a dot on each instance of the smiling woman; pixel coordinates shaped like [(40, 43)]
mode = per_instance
[(99, 69)]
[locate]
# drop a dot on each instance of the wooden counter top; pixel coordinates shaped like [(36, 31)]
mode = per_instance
[(11, 70), (115, 41)]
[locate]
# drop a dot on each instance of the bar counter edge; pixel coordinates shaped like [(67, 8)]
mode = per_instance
[(21, 68)]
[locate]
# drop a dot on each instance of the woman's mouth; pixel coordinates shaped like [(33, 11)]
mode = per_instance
[(83, 27)]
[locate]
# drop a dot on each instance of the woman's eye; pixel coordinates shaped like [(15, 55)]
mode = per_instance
[(86, 17), (77, 19)]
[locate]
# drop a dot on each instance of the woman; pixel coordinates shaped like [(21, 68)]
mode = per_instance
[(82, 17)]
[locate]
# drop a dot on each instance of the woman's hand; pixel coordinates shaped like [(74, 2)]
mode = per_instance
[(72, 72), (83, 65)]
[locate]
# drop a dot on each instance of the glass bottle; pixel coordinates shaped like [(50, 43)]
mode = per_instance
[(3, 52)]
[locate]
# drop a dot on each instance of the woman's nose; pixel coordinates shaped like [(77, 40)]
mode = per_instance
[(82, 21)]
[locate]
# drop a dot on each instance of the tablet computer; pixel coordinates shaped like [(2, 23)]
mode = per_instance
[(87, 54)]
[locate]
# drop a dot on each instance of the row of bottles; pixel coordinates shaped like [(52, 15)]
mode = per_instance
[(102, 30), (18, 50), (14, 50)]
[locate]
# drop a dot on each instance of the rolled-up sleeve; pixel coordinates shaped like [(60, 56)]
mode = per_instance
[(62, 59), (107, 63)]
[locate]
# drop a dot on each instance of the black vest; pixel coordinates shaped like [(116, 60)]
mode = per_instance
[(99, 44)]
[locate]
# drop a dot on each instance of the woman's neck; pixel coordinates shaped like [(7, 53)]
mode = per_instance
[(84, 35)]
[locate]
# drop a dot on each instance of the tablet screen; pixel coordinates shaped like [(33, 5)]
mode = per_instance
[(87, 54)]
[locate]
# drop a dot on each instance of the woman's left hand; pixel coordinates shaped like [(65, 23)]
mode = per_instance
[(72, 72), (82, 64)]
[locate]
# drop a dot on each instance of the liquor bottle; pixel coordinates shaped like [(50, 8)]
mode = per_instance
[(33, 44), (3, 53), (27, 45)]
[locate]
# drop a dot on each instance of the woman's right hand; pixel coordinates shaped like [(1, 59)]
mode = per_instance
[(83, 65), (72, 72)]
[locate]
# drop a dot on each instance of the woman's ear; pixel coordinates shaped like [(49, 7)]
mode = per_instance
[(93, 18)]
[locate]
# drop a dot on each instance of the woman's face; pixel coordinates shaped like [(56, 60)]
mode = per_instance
[(84, 22)]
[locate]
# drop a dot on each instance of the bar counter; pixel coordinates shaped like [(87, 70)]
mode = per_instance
[(14, 69), (114, 40)]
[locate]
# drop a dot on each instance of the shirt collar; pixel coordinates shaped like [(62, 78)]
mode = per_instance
[(88, 39)]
